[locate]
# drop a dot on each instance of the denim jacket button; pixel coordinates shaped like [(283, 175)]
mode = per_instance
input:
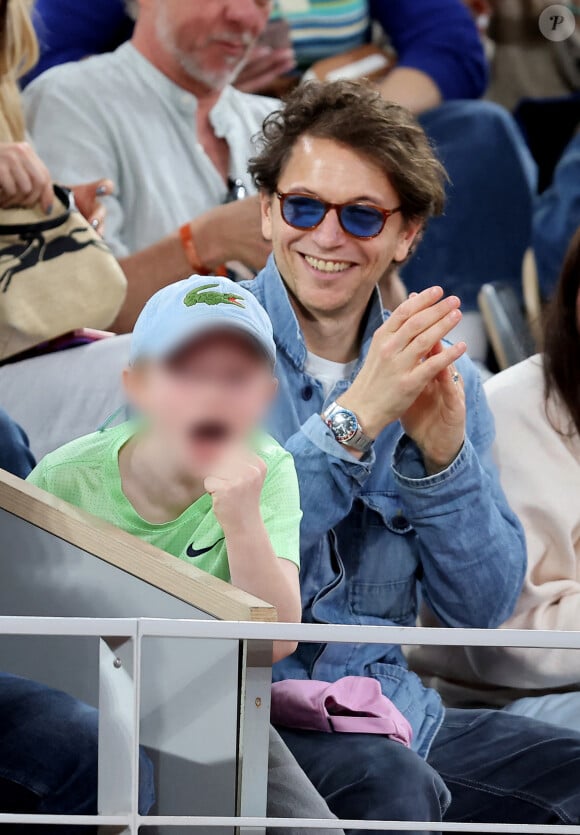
[(307, 393), (399, 522)]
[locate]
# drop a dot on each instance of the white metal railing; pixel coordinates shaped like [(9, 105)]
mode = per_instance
[(121, 653)]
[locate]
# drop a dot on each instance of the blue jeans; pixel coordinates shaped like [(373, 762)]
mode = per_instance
[(48, 754), (485, 766), (15, 454)]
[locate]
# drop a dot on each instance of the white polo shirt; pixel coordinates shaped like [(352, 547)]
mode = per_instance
[(117, 116)]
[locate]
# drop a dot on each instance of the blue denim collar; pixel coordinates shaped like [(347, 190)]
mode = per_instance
[(273, 294)]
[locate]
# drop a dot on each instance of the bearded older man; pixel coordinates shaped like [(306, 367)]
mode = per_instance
[(160, 117)]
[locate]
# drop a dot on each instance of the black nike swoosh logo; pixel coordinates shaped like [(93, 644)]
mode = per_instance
[(193, 552)]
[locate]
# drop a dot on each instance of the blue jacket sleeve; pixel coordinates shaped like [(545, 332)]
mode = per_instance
[(438, 37), (323, 464), (69, 31), (472, 546), (557, 217)]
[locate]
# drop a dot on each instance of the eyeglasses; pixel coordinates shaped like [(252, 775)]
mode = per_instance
[(360, 220)]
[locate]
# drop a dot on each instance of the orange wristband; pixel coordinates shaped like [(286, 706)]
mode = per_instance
[(190, 249)]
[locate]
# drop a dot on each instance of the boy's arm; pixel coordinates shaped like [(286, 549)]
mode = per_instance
[(263, 556)]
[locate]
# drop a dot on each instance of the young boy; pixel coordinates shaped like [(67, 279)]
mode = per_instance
[(192, 474), (195, 476)]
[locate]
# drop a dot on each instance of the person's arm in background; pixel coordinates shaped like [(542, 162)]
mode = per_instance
[(549, 602), (540, 473), (440, 53), (73, 142), (557, 217), (230, 232), (69, 30), (25, 182)]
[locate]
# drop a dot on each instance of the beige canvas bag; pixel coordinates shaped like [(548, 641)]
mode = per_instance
[(56, 275)]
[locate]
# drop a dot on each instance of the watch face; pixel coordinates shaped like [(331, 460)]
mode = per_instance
[(344, 426)]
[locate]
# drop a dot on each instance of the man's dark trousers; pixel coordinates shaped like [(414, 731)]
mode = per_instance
[(484, 766)]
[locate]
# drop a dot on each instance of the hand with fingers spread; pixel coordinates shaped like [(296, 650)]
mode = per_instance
[(25, 180), (407, 360), (235, 486)]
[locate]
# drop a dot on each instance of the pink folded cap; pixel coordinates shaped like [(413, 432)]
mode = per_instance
[(353, 704)]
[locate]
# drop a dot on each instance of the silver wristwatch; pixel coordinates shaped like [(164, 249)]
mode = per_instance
[(346, 429)]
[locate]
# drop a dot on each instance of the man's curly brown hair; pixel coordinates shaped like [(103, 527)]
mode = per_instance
[(355, 115)]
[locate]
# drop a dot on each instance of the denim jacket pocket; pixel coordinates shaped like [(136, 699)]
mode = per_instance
[(394, 600), (382, 579)]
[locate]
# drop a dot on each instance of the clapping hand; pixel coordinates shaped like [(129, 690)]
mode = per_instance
[(409, 376), (436, 420)]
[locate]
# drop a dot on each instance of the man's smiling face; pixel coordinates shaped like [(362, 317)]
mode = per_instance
[(326, 270)]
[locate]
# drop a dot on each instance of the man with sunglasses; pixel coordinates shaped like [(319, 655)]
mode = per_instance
[(391, 436)]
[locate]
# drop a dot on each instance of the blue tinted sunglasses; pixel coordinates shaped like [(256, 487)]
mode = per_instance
[(360, 220)]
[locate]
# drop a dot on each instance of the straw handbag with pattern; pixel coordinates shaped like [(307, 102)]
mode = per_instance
[(56, 275)]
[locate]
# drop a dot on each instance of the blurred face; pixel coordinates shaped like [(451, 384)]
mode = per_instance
[(211, 394), (209, 39), (328, 271)]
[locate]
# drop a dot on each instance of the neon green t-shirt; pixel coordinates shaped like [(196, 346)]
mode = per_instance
[(86, 473)]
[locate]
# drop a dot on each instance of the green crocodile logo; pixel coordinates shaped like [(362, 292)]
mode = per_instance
[(207, 295)]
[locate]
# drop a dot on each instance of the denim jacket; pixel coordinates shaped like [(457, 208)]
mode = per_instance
[(379, 533)]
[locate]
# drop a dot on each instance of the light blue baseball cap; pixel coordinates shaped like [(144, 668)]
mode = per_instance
[(188, 309)]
